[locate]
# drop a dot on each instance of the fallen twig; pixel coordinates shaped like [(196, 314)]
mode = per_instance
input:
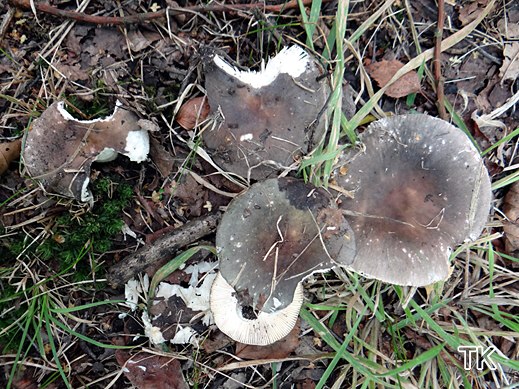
[(437, 61), (148, 16), (162, 249)]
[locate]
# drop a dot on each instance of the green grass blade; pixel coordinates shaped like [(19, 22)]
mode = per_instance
[(65, 328), (55, 356), (420, 359), (505, 181), (505, 139), (28, 321), (338, 355), (325, 334), (310, 23)]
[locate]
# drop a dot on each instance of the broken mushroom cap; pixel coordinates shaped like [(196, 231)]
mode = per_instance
[(420, 187), (266, 120), (59, 149), (270, 239)]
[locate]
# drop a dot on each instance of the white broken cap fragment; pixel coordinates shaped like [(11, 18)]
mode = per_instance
[(152, 332), (59, 149), (135, 289), (185, 335), (195, 297), (291, 60)]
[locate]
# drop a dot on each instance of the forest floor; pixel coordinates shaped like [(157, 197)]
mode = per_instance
[(63, 324)]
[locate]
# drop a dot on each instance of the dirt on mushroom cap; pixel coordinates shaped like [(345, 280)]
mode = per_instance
[(420, 187)]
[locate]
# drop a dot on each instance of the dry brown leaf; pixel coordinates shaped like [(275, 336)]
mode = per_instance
[(139, 41), (511, 210), (193, 112), (161, 157), (510, 68), (508, 28), (9, 151), (471, 11), (150, 371), (384, 70), (278, 350)]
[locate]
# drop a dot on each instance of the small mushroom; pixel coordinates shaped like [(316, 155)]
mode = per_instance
[(265, 120), (420, 187), (270, 239), (59, 149)]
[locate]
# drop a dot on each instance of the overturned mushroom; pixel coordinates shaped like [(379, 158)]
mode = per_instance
[(59, 149), (420, 187), (268, 119), (270, 239)]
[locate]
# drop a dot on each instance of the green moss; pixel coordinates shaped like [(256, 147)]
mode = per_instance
[(94, 230)]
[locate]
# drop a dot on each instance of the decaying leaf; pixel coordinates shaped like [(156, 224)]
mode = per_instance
[(139, 41), (59, 149), (471, 11), (510, 68), (193, 112), (384, 70), (511, 226), (161, 157), (509, 27), (9, 151), (150, 371), (280, 349)]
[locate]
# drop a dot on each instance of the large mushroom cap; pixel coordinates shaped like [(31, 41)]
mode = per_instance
[(59, 149), (270, 238), (269, 118), (420, 187)]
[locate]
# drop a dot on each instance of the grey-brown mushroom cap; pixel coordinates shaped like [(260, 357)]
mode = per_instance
[(420, 187), (274, 235), (264, 128), (59, 150)]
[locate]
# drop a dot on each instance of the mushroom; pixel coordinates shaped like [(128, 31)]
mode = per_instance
[(419, 188), (59, 149), (268, 119), (272, 237)]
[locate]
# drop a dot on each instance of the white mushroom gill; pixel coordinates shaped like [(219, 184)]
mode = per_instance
[(291, 60), (267, 328)]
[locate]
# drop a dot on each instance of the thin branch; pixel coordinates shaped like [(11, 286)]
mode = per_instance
[(148, 16), (437, 61), (162, 249)]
